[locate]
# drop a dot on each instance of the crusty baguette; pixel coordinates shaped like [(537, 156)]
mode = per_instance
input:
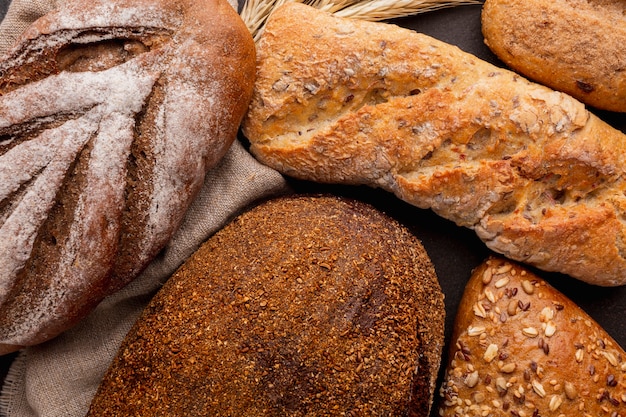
[(575, 46), (521, 348), (538, 177), (302, 306), (111, 113)]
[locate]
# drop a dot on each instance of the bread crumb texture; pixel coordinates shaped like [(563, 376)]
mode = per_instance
[(302, 306), (521, 348)]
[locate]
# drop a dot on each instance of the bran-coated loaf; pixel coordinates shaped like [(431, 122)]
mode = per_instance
[(302, 306)]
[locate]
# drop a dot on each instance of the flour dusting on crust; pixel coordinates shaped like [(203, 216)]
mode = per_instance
[(107, 128)]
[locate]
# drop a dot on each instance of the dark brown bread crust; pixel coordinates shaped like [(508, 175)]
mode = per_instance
[(111, 113), (521, 348), (305, 305)]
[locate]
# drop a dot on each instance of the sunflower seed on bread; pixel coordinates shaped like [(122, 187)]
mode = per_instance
[(528, 350)]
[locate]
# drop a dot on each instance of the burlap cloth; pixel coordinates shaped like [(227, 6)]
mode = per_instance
[(59, 378)]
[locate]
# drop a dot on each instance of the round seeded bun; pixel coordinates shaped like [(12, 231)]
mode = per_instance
[(303, 305)]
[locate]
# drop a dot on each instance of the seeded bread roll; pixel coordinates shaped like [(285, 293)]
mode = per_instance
[(575, 46), (111, 113), (537, 177), (521, 348), (302, 306)]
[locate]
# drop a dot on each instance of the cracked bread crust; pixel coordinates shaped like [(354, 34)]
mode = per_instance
[(111, 113), (538, 177)]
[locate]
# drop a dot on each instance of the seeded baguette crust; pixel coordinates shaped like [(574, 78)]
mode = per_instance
[(529, 169), (575, 46), (521, 348), (111, 113), (302, 306)]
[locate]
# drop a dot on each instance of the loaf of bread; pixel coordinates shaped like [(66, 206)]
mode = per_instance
[(302, 306), (575, 46), (521, 348), (537, 177), (111, 113)]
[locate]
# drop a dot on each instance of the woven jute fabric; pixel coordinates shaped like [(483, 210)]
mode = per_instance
[(20, 15), (60, 377)]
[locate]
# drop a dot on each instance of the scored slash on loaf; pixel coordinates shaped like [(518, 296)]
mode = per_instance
[(521, 348), (111, 113), (536, 176)]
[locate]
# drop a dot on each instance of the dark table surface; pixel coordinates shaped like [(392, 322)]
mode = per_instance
[(4, 5), (456, 251)]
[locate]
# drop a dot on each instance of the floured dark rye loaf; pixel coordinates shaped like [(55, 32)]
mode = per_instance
[(302, 306), (111, 113)]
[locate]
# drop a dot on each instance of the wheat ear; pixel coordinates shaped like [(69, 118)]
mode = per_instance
[(255, 12)]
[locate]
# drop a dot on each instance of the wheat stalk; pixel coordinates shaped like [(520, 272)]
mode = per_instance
[(255, 12), (384, 9)]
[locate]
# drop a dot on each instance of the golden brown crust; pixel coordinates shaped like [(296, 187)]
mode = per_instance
[(520, 347), (111, 113), (575, 46), (538, 177), (302, 306)]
